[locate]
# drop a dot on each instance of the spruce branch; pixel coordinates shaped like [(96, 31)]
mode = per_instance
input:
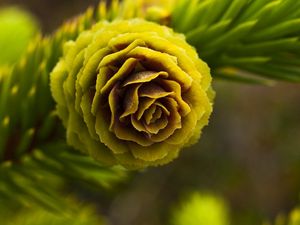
[(39, 178), (32, 149), (244, 40), (237, 39)]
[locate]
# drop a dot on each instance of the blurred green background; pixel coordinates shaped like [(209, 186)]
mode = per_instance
[(249, 154)]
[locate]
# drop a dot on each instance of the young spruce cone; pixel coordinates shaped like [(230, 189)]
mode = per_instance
[(131, 92)]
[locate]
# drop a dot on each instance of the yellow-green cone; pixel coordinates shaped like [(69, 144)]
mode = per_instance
[(131, 92)]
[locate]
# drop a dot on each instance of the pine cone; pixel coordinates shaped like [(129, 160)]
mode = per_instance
[(131, 92)]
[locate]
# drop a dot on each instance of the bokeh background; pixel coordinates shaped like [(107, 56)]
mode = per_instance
[(249, 154)]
